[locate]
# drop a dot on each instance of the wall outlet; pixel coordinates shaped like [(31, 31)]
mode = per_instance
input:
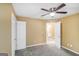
[(71, 45)]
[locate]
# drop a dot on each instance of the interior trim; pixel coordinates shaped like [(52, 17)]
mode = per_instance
[(3, 54), (36, 44)]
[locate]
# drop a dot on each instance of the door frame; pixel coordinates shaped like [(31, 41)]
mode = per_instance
[(59, 22), (13, 39), (60, 33)]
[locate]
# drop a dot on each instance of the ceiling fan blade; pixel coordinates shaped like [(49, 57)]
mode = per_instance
[(61, 12), (50, 10), (45, 14), (61, 6), (44, 9)]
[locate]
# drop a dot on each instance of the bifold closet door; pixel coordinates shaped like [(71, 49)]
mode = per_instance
[(21, 35)]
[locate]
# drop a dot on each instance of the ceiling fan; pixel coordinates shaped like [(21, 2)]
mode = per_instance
[(52, 11)]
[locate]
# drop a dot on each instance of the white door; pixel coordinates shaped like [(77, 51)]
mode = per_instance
[(21, 35), (57, 34), (13, 34)]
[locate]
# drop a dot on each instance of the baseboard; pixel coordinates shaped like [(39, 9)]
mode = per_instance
[(3, 54), (36, 44), (70, 50)]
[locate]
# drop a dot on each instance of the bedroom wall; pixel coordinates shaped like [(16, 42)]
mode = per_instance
[(70, 32), (5, 28), (36, 30)]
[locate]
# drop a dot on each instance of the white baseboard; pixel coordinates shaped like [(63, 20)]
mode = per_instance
[(70, 50), (36, 44)]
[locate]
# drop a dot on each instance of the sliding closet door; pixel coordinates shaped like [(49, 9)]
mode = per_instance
[(21, 35)]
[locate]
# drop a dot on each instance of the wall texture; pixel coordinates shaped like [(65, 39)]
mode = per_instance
[(5, 28), (36, 30), (70, 32)]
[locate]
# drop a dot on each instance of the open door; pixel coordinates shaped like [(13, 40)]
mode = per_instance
[(21, 35)]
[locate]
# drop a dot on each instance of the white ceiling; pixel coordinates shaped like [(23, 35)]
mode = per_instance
[(33, 10)]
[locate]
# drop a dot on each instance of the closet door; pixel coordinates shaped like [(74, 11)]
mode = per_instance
[(21, 35)]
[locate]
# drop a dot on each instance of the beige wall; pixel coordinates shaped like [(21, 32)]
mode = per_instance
[(70, 32), (36, 30), (5, 28)]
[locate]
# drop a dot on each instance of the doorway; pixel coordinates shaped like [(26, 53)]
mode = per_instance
[(53, 33), (50, 32)]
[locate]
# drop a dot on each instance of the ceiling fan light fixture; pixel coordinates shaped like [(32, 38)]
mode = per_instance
[(52, 14)]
